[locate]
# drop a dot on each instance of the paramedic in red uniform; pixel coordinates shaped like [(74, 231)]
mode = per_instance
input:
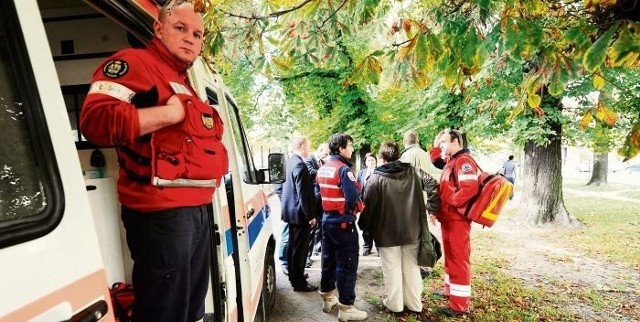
[(341, 203), (458, 184), (171, 160)]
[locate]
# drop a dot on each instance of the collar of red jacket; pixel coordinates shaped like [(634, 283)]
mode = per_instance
[(156, 46)]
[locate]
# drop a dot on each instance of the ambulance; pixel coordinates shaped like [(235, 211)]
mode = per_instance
[(61, 241)]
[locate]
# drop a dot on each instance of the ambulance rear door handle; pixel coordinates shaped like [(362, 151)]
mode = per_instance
[(251, 212)]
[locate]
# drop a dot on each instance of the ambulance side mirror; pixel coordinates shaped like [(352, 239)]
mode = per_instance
[(276, 167)]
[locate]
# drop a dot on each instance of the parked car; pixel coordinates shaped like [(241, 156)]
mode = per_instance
[(634, 168)]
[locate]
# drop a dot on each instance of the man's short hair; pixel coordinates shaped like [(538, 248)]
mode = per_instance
[(511, 157), (389, 151), (455, 134), (337, 141), (410, 137), (165, 10), (322, 146), (298, 142)]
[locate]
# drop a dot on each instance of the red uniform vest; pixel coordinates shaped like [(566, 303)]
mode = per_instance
[(190, 152), (328, 179)]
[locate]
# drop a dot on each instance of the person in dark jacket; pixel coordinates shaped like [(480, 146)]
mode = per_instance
[(314, 162), (298, 212), (393, 205), (363, 175)]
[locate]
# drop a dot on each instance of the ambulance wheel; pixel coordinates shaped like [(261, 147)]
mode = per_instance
[(268, 296)]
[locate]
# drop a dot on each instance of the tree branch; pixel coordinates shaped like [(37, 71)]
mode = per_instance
[(335, 74), (333, 14), (271, 15)]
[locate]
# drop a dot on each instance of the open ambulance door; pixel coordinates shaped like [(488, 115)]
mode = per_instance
[(51, 264)]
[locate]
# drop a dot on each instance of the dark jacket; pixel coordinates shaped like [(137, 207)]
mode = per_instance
[(313, 164), (362, 176), (394, 201), (297, 193)]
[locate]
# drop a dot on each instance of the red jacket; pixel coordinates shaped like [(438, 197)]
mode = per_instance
[(192, 149), (458, 183)]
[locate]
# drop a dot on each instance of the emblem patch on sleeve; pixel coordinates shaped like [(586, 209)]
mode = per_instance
[(115, 68), (351, 176), (207, 120), (466, 167)]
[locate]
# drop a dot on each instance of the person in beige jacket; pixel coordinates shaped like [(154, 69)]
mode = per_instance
[(412, 152), (419, 159)]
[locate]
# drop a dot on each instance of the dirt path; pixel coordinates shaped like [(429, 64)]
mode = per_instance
[(541, 262)]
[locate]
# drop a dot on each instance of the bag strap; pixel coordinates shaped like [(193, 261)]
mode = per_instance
[(480, 185)]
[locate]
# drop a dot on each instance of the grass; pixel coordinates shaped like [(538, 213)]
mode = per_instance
[(631, 194), (611, 228)]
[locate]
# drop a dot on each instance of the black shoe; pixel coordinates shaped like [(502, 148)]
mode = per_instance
[(306, 288), (366, 252), (439, 294), (446, 311), (424, 273)]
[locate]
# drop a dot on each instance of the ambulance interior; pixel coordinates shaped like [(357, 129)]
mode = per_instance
[(80, 38)]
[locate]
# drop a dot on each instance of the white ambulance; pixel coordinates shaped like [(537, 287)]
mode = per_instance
[(61, 241)]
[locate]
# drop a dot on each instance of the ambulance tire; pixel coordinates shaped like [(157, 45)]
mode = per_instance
[(268, 296)]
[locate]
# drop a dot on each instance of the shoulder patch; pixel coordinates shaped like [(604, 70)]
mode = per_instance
[(115, 68), (351, 176), (466, 167)]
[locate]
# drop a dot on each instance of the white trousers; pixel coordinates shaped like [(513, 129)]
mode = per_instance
[(402, 277)]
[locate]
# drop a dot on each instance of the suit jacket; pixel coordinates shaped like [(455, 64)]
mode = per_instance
[(297, 193), (313, 164), (362, 177)]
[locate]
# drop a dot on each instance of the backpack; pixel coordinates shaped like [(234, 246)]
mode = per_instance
[(122, 299), (493, 193)]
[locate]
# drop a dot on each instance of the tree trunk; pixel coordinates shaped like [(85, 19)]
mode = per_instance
[(600, 168), (541, 200)]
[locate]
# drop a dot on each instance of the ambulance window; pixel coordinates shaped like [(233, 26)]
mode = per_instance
[(243, 150), (28, 174)]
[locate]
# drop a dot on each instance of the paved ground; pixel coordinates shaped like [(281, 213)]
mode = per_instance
[(306, 307)]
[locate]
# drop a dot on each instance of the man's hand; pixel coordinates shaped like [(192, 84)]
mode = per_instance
[(436, 142), (176, 108), (312, 222), (432, 220)]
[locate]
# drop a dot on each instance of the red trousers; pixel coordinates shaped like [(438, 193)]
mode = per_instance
[(457, 266)]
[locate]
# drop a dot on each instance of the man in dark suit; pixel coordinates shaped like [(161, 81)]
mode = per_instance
[(314, 162), (298, 212), (371, 163)]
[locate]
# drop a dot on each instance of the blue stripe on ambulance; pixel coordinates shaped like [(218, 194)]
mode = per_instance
[(254, 229)]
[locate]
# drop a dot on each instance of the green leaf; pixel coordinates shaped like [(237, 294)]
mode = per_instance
[(534, 100), (626, 49), (598, 81), (595, 55), (556, 87)]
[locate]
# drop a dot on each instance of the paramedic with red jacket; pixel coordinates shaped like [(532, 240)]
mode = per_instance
[(171, 160), (458, 184), (341, 203)]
